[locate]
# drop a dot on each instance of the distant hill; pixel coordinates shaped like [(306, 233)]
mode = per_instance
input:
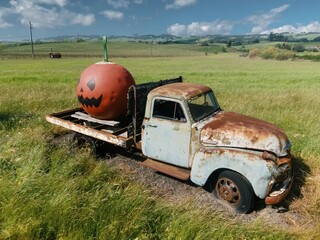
[(158, 45), (168, 38), (171, 39)]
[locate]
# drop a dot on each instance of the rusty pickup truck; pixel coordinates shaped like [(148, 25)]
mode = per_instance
[(182, 132)]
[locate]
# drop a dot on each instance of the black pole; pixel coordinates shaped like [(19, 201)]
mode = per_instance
[(30, 25)]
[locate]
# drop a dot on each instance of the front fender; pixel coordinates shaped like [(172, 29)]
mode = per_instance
[(246, 162)]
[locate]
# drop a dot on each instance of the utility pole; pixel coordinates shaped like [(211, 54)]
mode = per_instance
[(30, 25)]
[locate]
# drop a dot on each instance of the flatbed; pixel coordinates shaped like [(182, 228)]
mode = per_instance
[(109, 131), (126, 132)]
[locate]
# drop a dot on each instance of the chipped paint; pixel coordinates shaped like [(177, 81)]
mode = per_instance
[(248, 163), (228, 129), (166, 140)]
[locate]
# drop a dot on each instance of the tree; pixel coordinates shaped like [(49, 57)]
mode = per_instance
[(271, 36), (298, 48), (204, 44)]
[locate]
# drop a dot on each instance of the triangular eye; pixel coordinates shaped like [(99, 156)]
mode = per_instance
[(91, 84), (81, 90)]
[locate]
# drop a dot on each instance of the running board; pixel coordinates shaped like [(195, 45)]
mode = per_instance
[(177, 172)]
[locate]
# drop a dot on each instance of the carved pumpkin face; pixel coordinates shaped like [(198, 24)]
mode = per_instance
[(102, 90)]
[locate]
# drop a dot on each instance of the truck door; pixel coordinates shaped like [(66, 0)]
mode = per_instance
[(166, 136)]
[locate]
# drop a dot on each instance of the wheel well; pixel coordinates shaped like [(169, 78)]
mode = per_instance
[(213, 178), (209, 185)]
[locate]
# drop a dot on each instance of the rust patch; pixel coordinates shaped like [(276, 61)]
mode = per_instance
[(174, 171), (254, 139), (228, 120), (284, 160), (226, 141), (220, 151), (181, 90), (225, 126)]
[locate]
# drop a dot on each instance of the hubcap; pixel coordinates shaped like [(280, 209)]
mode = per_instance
[(228, 191)]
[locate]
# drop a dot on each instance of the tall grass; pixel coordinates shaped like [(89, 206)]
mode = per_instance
[(50, 191)]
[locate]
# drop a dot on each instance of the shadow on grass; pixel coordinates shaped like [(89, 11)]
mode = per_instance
[(301, 172), (11, 120)]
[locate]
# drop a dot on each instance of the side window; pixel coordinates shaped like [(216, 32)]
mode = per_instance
[(168, 110)]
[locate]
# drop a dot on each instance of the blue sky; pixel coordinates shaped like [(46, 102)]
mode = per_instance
[(177, 17)]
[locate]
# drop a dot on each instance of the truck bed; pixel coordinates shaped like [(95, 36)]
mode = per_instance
[(79, 121), (113, 132), (126, 133)]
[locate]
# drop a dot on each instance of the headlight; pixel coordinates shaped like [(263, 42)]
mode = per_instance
[(286, 150)]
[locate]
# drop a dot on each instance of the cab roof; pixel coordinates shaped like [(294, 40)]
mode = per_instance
[(180, 90)]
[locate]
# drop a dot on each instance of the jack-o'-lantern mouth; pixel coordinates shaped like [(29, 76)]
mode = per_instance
[(90, 101)]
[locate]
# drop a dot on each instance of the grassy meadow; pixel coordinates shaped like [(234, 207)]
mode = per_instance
[(52, 191), (115, 48)]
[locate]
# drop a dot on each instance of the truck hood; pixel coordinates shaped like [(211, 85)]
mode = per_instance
[(234, 130)]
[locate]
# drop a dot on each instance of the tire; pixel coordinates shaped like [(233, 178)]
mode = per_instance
[(233, 189), (84, 142), (93, 146)]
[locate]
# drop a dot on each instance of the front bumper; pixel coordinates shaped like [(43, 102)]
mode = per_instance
[(280, 187)]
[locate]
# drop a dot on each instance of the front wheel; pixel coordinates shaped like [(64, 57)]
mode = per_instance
[(234, 190)]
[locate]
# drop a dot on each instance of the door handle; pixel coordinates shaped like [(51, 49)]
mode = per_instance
[(154, 126)]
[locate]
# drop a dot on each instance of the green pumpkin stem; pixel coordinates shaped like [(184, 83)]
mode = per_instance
[(105, 49)]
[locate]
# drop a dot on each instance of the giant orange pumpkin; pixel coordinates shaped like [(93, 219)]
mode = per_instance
[(102, 90)]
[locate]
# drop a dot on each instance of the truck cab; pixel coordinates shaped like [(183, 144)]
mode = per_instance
[(236, 156)]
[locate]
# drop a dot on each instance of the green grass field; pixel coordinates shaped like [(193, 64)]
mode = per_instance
[(115, 49), (52, 191)]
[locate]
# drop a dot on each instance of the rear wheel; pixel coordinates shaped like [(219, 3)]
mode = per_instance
[(85, 142), (234, 190), (93, 146)]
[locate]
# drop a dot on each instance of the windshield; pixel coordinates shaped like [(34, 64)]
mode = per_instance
[(203, 105)]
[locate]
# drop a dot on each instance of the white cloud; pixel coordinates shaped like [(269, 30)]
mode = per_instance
[(311, 27), (177, 29), (60, 3), (261, 21), (46, 13), (118, 3), (176, 4), (85, 20), (112, 15), (3, 23), (201, 28), (23, 3), (45, 18), (138, 1)]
